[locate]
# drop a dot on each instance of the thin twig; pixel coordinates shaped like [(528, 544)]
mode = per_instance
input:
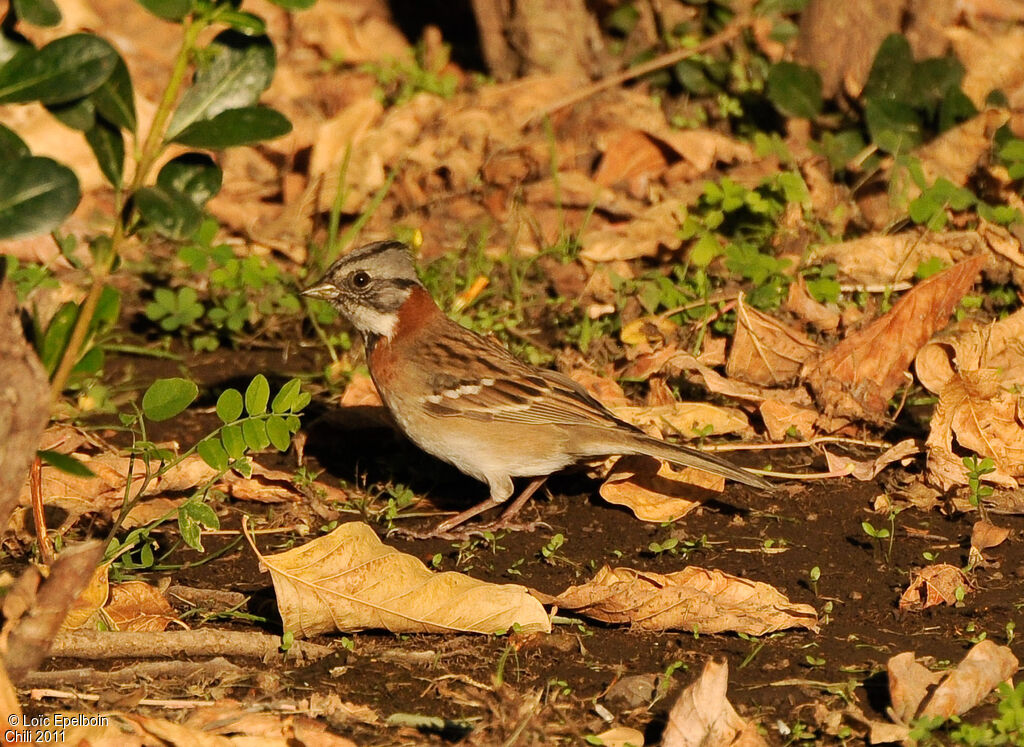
[(727, 34)]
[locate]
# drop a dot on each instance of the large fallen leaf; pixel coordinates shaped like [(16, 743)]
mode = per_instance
[(349, 580), (631, 156), (696, 599), (858, 377), (641, 236), (935, 584), (972, 346), (983, 417), (780, 417), (702, 716), (130, 606), (911, 684), (884, 260), (985, 535), (764, 350), (655, 491)]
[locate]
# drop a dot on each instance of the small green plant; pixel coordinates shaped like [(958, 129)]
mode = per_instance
[(550, 551), (814, 575), (399, 80), (1007, 728), (878, 535), (977, 469), (250, 423)]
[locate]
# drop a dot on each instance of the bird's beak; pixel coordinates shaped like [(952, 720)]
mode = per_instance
[(324, 291)]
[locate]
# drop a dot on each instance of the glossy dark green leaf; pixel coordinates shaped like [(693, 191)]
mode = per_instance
[(229, 405), (213, 453), (239, 68), (245, 126), (956, 107), (90, 363), (932, 79), (36, 195), (55, 339), (78, 115), (285, 398), (165, 398), (169, 10), (194, 175), (37, 12), (168, 212), (795, 90), (65, 463), (11, 145), (255, 434), (67, 68), (294, 4), (115, 99), (256, 395), (107, 144), (278, 433), (233, 440)]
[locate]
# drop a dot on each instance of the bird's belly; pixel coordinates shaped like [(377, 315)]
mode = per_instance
[(482, 449)]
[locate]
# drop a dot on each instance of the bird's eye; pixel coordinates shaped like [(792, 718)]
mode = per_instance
[(361, 279)]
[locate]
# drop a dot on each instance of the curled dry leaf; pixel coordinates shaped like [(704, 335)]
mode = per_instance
[(764, 350), (932, 585), (984, 535), (859, 376), (620, 736), (868, 469), (631, 156), (702, 716), (642, 236), (655, 491), (984, 667), (691, 599), (349, 580), (909, 682), (140, 607)]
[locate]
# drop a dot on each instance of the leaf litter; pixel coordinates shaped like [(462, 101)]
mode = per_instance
[(621, 174)]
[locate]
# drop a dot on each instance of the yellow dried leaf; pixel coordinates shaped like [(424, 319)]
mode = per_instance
[(349, 580)]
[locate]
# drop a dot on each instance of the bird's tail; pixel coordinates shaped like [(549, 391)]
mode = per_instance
[(684, 456)]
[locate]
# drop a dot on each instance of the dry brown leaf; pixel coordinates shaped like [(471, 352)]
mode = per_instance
[(138, 606), (909, 682), (654, 491), (993, 61), (621, 736), (702, 716), (85, 610), (704, 148), (764, 350), (779, 417), (868, 469), (984, 418), (696, 599), (648, 332), (932, 585), (859, 376), (982, 669), (984, 535), (802, 304), (884, 260), (957, 152), (641, 236), (690, 419), (631, 156), (349, 580), (971, 346)]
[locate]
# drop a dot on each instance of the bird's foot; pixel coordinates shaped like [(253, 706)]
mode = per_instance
[(463, 533)]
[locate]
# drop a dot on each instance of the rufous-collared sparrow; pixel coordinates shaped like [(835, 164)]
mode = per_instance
[(467, 400)]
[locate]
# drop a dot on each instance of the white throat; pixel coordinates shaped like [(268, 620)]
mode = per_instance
[(371, 322)]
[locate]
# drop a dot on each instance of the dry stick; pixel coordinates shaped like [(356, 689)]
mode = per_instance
[(727, 34), (94, 644), (40, 693), (213, 669)]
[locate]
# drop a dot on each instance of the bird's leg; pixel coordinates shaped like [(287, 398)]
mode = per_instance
[(444, 529)]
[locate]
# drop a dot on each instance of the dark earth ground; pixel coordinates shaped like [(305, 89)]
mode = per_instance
[(778, 680)]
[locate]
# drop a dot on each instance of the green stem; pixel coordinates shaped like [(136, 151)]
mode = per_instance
[(151, 150)]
